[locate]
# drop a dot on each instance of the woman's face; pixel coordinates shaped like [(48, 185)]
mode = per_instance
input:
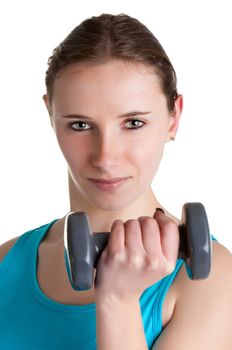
[(118, 127)]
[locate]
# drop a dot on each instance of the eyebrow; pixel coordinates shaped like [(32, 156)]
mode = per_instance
[(81, 116)]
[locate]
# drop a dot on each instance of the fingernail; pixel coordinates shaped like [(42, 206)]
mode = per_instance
[(160, 210)]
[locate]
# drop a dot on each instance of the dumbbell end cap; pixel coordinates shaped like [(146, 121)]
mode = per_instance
[(83, 278)]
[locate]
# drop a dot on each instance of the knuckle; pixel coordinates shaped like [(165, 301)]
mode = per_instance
[(152, 263), (136, 260), (170, 266), (158, 264), (115, 256)]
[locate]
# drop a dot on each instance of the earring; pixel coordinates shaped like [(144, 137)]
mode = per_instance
[(172, 138)]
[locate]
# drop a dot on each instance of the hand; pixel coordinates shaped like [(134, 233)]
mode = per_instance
[(138, 254)]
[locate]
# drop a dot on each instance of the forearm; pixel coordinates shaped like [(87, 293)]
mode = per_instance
[(120, 326)]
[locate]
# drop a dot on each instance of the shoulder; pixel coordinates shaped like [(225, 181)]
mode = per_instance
[(202, 315), (221, 266), (5, 247), (211, 289), (209, 299), (53, 235)]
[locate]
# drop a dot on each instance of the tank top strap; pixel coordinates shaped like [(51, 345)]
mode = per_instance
[(21, 250)]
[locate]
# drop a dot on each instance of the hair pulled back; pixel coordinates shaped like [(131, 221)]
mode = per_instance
[(99, 39)]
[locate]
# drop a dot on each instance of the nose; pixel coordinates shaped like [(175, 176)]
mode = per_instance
[(106, 152)]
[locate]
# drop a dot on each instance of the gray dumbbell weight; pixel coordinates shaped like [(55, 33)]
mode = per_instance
[(84, 247)]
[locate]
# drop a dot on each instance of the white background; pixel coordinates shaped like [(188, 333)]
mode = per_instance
[(196, 167)]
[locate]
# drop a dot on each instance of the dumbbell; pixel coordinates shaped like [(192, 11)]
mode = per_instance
[(84, 248)]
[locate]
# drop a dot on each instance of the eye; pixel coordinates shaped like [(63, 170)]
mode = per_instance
[(135, 124), (81, 126)]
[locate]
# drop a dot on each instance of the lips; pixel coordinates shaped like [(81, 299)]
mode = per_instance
[(109, 185), (110, 181)]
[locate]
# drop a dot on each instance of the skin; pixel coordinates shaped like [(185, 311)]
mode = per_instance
[(108, 148)]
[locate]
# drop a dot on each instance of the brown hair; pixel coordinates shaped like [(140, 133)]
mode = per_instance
[(99, 39)]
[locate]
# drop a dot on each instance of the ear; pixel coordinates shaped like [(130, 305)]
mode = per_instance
[(174, 118), (46, 101)]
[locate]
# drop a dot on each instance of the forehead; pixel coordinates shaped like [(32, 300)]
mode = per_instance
[(111, 71), (114, 80)]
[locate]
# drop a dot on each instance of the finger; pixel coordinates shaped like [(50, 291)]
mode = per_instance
[(116, 242), (169, 235), (133, 236), (151, 236)]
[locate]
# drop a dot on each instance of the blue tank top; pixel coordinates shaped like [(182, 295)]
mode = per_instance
[(31, 320)]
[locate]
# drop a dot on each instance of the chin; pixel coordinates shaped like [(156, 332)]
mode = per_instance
[(115, 203)]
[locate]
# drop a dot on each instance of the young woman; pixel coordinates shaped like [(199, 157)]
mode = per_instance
[(113, 105)]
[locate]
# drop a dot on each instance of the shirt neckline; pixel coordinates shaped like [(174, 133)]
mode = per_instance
[(37, 292)]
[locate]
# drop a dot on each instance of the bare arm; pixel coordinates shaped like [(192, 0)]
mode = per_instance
[(202, 318), (119, 325)]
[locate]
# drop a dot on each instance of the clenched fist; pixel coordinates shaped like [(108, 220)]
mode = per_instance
[(138, 254)]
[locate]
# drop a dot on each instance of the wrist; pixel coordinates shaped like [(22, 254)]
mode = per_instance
[(111, 300)]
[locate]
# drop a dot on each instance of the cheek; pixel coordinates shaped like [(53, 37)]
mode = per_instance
[(148, 157), (72, 152)]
